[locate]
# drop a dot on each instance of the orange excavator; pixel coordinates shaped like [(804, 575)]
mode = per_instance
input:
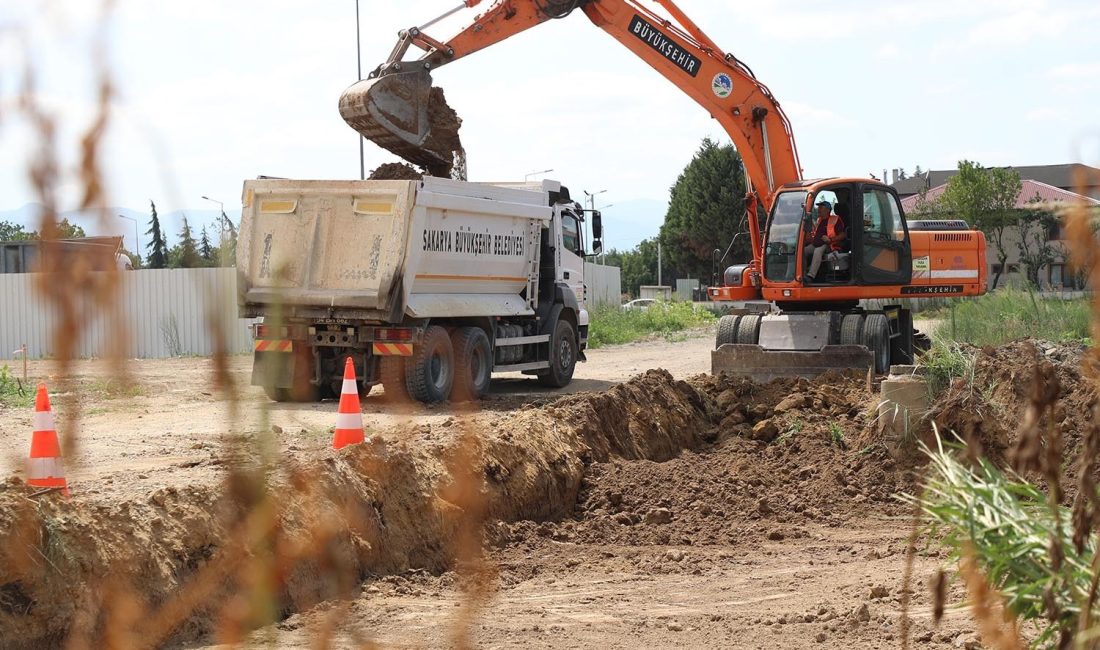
[(826, 244)]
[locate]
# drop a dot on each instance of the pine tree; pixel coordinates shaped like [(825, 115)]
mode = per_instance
[(158, 249), (705, 211), (185, 255), (205, 249)]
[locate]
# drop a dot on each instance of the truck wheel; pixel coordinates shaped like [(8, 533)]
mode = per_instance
[(851, 329), (563, 356), (391, 372), (473, 363), (876, 338), (429, 373), (727, 331)]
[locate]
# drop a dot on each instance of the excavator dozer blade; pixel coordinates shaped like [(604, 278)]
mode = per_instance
[(393, 111), (763, 365)]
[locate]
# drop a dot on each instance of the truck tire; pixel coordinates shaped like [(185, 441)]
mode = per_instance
[(851, 329), (473, 363), (876, 338), (748, 330), (563, 356), (429, 372), (391, 372), (727, 331)]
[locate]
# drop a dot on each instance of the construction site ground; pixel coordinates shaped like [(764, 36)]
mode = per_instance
[(650, 508)]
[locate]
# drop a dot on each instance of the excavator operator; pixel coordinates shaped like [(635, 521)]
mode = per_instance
[(829, 233)]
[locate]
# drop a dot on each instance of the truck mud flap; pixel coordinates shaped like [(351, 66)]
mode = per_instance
[(763, 365), (273, 369)]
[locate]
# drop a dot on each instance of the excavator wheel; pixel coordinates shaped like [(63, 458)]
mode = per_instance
[(876, 338), (921, 342), (851, 329), (727, 331), (748, 330)]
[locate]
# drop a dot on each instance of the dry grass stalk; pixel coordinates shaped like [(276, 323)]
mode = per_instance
[(996, 623)]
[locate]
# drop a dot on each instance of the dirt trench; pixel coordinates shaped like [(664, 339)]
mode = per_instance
[(375, 509)]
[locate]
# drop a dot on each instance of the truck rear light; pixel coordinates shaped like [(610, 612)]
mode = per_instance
[(392, 334), (268, 332)]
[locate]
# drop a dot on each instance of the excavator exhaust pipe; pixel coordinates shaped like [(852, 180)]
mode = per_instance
[(400, 112)]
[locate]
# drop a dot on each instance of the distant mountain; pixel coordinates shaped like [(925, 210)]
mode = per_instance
[(625, 223), (29, 216)]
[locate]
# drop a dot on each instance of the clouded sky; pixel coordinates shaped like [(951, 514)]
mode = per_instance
[(209, 93)]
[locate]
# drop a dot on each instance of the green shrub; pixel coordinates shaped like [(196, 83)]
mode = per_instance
[(610, 325), (10, 393)]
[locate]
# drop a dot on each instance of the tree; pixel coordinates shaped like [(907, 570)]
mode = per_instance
[(638, 266), (67, 230), (14, 232), (158, 249), (227, 249), (986, 199), (185, 255), (205, 250), (1036, 249), (705, 211)]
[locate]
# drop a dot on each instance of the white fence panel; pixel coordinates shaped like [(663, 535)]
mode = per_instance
[(161, 313), (605, 285)]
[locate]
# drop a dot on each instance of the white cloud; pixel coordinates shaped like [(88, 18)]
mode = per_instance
[(1075, 71), (804, 115), (1046, 114)]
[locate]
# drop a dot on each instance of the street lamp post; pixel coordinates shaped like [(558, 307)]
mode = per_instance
[(137, 240), (529, 175), (223, 226)]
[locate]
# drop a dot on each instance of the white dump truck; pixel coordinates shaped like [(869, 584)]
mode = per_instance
[(430, 286)]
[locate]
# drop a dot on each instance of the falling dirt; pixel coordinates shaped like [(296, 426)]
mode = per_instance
[(654, 463), (443, 137)]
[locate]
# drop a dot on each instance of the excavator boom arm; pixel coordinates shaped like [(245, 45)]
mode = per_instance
[(677, 48)]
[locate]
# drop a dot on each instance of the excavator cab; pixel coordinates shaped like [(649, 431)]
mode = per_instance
[(876, 250)]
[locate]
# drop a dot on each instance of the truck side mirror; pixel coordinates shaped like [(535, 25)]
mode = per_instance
[(597, 247), (597, 226)]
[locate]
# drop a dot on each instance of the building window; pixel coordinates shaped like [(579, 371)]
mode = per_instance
[(1054, 231)]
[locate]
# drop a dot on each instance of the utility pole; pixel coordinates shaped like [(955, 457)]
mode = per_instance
[(359, 69), (659, 284)]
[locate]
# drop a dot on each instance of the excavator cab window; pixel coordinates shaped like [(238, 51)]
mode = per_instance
[(784, 228)]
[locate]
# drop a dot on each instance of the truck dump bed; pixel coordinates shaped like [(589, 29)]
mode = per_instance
[(387, 250)]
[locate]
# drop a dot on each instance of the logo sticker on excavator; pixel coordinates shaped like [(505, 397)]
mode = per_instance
[(722, 85)]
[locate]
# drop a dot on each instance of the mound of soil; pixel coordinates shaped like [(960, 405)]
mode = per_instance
[(395, 172)]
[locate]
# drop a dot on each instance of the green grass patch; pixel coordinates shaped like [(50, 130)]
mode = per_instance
[(10, 392), (613, 325), (1008, 314)]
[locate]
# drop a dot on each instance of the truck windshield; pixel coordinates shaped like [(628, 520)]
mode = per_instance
[(781, 250)]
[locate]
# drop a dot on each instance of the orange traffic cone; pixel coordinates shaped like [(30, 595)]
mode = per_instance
[(349, 418), (45, 468)]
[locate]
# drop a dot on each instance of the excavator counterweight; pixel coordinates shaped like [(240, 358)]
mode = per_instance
[(402, 113)]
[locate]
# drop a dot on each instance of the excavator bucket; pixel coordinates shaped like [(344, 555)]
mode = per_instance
[(401, 112), (763, 365), (765, 346)]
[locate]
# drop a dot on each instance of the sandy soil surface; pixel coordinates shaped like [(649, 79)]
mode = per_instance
[(668, 509)]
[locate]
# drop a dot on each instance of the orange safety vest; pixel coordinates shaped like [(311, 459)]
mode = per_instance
[(830, 230)]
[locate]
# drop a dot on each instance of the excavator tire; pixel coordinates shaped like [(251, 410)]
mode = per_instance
[(748, 330), (851, 329), (876, 338), (727, 331)]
